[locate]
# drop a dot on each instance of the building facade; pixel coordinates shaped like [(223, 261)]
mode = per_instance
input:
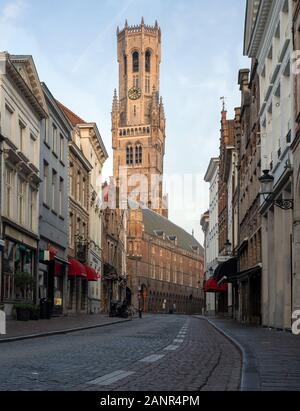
[(22, 108), (212, 237), (269, 40), (114, 244), (296, 161), (165, 264), (247, 282), (95, 151), (54, 207), (79, 207)]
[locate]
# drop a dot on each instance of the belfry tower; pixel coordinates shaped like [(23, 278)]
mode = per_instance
[(138, 118)]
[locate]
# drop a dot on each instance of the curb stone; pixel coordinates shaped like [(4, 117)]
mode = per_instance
[(60, 332), (250, 380)]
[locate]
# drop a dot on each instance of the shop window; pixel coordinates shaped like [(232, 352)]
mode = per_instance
[(18, 269)]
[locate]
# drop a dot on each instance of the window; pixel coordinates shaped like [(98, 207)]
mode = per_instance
[(46, 131), (125, 65), (61, 196), (135, 62), (46, 182), (148, 61), (71, 179), (21, 136), (61, 148), (53, 190), (78, 194), (78, 225), (33, 156), (9, 123), (84, 192), (136, 82), (9, 192), (32, 203), (21, 201), (147, 85), (129, 155), (138, 154), (54, 139)]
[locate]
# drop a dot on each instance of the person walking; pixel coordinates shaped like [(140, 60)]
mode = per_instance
[(140, 312)]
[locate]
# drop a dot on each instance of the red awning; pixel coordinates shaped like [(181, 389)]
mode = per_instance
[(57, 269), (211, 286), (76, 269), (92, 275)]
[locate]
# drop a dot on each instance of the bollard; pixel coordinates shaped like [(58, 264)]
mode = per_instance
[(2, 323)]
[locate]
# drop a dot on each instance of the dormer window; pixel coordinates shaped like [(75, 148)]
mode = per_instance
[(195, 248), (160, 233), (173, 239)]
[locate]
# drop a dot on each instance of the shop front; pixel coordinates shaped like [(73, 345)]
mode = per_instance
[(19, 269), (53, 279)]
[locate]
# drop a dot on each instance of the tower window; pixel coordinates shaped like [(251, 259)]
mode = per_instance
[(129, 155), (125, 65), (135, 62), (148, 61), (136, 83), (134, 111), (138, 154), (147, 85)]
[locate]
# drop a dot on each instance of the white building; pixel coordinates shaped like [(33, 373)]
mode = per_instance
[(210, 228), (95, 151), (269, 39), (22, 108)]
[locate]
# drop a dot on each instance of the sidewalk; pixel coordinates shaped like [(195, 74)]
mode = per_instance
[(18, 330), (271, 358)]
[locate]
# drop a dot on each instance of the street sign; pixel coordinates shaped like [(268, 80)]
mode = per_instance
[(2, 323)]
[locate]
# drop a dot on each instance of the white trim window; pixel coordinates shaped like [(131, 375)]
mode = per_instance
[(32, 208), (46, 182), (21, 200), (9, 185), (22, 136), (53, 190), (54, 138), (9, 123), (61, 196), (61, 148)]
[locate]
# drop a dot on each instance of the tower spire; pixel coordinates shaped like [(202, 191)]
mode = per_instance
[(126, 24), (142, 22), (115, 106)]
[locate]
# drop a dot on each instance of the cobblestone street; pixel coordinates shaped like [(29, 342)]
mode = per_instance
[(156, 353)]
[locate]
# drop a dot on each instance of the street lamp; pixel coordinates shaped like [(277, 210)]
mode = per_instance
[(267, 191), (228, 247)]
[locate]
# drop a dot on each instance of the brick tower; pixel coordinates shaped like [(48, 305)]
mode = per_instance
[(138, 118)]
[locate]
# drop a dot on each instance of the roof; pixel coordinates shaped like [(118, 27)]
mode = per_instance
[(72, 117), (155, 222)]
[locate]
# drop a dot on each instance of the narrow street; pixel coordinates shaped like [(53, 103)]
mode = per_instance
[(157, 353)]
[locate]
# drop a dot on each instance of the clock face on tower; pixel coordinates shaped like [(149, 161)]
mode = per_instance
[(134, 93)]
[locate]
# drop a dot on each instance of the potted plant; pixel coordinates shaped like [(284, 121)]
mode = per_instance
[(23, 311), (34, 312)]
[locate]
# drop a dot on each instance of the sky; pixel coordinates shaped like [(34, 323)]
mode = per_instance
[(73, 43)]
